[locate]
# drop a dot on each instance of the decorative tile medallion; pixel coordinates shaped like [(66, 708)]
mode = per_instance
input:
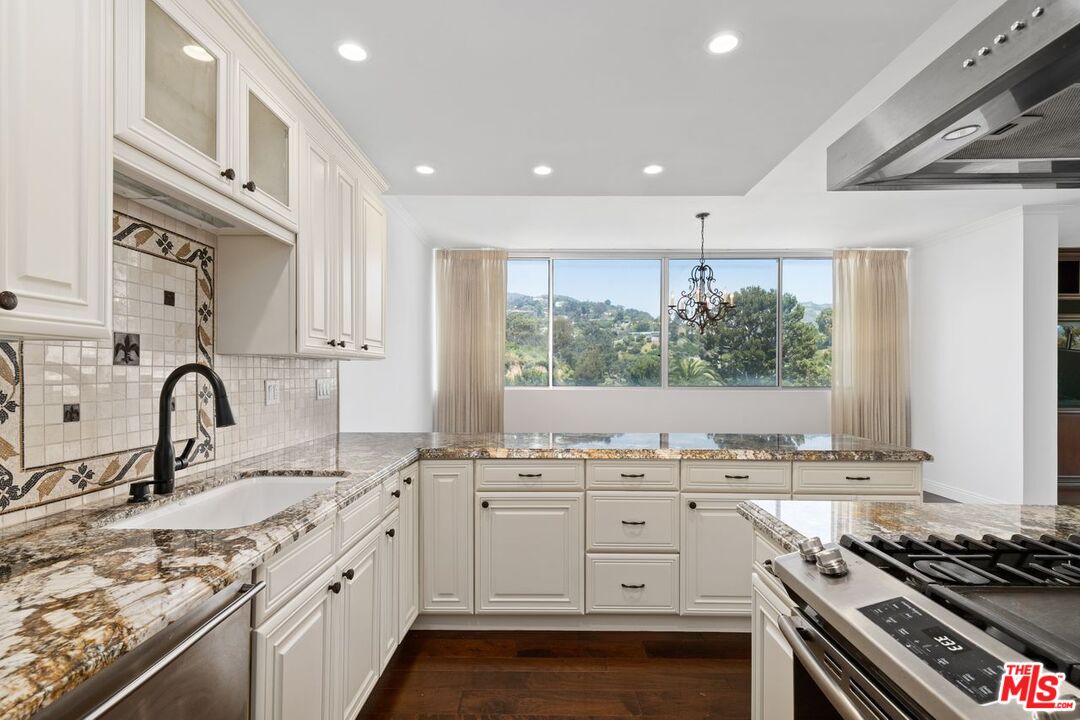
[(61, 372)]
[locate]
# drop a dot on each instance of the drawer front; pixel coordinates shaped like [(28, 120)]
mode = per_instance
[(293, 569), (765, 549), (359, 518), (644, 521), (914, 497), (391, 490), (620, 475), (632, 584), (530, 475), (858, 478), (742, 477)]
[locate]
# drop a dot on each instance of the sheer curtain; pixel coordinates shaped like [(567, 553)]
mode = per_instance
[(470, 293), (870, 367)]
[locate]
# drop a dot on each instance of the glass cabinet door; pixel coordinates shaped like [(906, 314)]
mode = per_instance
[(268, 150), (172, 89)]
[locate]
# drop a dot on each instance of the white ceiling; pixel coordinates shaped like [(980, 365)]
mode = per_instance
[(483, 90)]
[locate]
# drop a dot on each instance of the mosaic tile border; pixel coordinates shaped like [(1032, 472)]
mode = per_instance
[(22, 487)]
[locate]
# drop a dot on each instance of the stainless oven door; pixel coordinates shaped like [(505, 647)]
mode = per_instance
[(829, 684)]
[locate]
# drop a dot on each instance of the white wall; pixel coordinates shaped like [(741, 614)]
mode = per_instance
[(395, 394), (983, 362), (657, 410)]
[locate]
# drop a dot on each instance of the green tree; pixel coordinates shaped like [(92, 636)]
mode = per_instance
[(691, 371)]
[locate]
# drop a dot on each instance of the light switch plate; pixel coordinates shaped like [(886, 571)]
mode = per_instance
[(273, 392), (324, 388)]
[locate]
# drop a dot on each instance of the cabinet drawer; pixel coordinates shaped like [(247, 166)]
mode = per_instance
[(647, 521), (391, 491), (914, 497), (530, 475), (646, 475), (760, 476), (858, 478), (359, 518), (632, 584), (293, 569)]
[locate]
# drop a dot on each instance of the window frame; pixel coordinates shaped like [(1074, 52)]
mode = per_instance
[(665, 317)]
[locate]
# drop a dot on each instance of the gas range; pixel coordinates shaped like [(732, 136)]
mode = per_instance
[(922, 628)]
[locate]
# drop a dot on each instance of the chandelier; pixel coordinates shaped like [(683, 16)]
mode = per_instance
[(703, 304)]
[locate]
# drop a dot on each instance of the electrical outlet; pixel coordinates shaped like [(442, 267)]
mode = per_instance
[(324, 388), (273, 392)]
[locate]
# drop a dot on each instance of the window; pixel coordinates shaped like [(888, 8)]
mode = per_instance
[(742, 350), (807, 318), (604, 323), (606, 330), (526, 322)]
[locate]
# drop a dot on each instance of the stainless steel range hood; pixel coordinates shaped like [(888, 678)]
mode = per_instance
[(1001, 108)]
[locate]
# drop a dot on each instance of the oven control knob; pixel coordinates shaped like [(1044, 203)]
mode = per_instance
[(831, 562), (810, 547)]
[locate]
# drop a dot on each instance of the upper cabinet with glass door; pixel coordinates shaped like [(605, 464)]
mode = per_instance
[(267, 177), (172, 90)]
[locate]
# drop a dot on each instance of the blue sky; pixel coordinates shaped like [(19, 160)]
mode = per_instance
[(636, 283)]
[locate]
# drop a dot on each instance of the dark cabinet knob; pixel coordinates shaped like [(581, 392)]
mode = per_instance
[(485, 504), (349, 574), (228, 174), (331, 343), (693, 505), (8, 300), (396, 493), (249, 186), (364, 346), (341, 343), (408, 481), (391, 532), (335, 588)]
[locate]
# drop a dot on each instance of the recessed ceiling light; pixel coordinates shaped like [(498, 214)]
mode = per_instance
[(198, 52), (653, 169), (542, 170), (724, 42), (960, 132), (352, 51), (425, 169)]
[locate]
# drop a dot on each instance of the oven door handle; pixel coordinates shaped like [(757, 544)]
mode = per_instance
[(847, 709)]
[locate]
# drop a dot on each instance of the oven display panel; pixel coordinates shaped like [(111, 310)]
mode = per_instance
[(966, 666)]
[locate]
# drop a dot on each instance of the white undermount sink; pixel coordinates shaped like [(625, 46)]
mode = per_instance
[(237, 504)]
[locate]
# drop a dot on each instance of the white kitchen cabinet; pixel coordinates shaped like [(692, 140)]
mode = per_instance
[(316, 251), (408, 550), (389, 589), (357, 620), (530, 552), (56, 169), (267, 150), (772, 668), (173, 88), (717, 554), (446, 537), (293, 657), (375, 270)]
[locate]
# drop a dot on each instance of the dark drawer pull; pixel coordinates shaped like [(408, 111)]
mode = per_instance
[(633, 522), (693, 505), (391, 532), (335, 588), (633, 587), (396, 493), (349, 574), (408, 481), (856, 477), (737, 477), (8, 300), (249, 186), (485, 504), (632, 475), (530, 475)]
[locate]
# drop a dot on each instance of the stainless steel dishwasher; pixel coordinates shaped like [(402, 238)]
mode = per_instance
[(197, 668)]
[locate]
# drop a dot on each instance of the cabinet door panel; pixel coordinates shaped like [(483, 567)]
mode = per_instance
[(772, 673), (316, 252), (56, 168), (446, 537), (408, 545), (388, 600), (530, 552), (267, 177), (359, 627), (717, 555), (350, 247), (172, 89), (374, 277)]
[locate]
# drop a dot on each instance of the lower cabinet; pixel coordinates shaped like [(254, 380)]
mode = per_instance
[(446, 537), (409, 549), (772, 673), (390, 592), (530, 552), (358, 623)]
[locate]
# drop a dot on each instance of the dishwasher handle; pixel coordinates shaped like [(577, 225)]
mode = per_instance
[(247, 592), (833, 692)]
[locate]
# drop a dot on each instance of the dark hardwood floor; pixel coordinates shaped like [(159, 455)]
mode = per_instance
[(439, 675)]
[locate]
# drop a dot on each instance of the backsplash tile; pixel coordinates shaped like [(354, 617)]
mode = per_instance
[(78, 419)]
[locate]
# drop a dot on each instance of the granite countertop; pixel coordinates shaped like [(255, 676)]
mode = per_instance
[(789, 521), (78, 595)]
